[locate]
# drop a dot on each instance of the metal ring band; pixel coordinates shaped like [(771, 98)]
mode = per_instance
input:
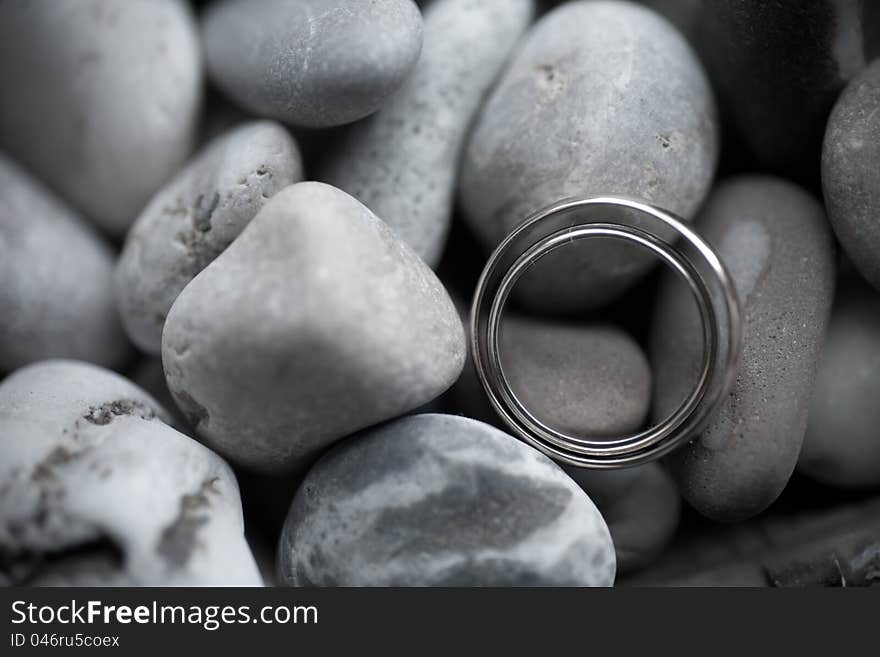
[(589, 218)]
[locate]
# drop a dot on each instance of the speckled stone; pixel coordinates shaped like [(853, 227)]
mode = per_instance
[(439, 500), (98, 490), (314, 63), (842, 445), (851, 172), (402, 162), (641, 506), (585, 379), (193, 218), (101, 98), (56, 295), (586, 108), (315, 323), (775, 241)]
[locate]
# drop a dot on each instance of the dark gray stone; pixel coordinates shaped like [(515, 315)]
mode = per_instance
[(315, 323), (313, 63), (194, 217), (402, 162), (851, 172), (101, 98), (778, 68), (586, 107), (641, 506), (586, 379), (96, 489), (56, 295), (439, 500), (776, 243), (842, 445), (583, 379)]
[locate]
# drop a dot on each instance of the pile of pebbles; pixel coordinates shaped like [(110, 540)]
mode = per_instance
[(239, 238)]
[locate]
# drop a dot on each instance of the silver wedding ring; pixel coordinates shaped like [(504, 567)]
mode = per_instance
[(681, 248)]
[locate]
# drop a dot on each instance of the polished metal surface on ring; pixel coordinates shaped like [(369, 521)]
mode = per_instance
[(675, 243)]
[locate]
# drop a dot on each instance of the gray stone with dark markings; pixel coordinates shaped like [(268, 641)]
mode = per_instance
[(194, 217), (315, 323), (441, 500), (56, 280), (402, 162), (778, 247), (600, 98), (313, 63), (95, 488)]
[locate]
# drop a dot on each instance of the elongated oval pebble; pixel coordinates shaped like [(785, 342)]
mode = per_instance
[(402, 162), (56, 296), (315, 323), (585, 379), (98, 490), (440, 500), (585, 108), (193, 218), (842, 445), (590, 380), (851, 172), (106, 97), (314, 63), (776, 243)]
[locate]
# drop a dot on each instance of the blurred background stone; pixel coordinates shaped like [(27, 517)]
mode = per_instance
[(56, 295), (778, 68), (314, 63), (402, 163), (851, 172), (641, 506), (101, 98), (842, 444)]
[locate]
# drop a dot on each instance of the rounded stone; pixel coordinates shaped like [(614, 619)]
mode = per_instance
[(585, 108), (106, 98), (641, 506), (56, 296), (194, 217), (96, 490), (851, 172), (315, 323), (779, 250), (313, 63), (842, 445), (402, 162), (582, 378), (589, 380), (439, 500)]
